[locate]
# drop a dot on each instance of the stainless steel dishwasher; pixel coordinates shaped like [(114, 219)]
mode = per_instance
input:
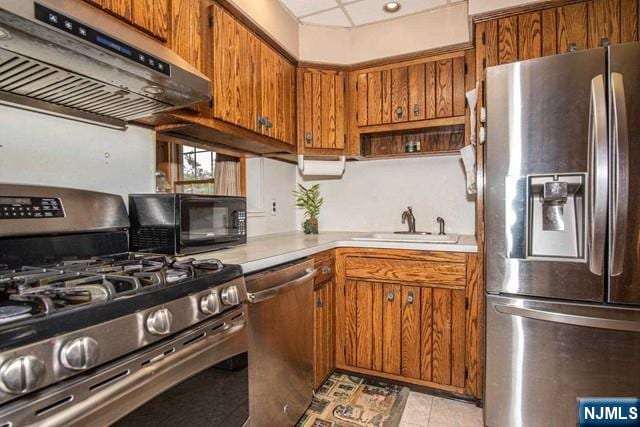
[(280, 343)]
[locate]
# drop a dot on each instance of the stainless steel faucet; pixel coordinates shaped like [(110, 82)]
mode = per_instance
[(407, 217), (441, 222)]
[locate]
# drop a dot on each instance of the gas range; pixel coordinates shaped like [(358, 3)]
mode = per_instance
[(82, 306), (34, 292)]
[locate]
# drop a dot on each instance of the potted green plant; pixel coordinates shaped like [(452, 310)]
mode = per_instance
[(309, 199)]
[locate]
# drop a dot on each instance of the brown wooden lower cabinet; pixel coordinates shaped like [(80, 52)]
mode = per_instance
[(409, 316)]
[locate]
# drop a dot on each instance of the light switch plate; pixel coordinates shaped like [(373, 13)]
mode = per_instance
[(273, 207)]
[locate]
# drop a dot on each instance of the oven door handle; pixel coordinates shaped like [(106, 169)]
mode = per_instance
[(256, 297)]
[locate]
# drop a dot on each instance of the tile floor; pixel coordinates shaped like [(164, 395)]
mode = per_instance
[(423, 410)]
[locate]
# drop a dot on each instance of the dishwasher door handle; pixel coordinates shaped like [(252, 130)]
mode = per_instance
[(256, 297)]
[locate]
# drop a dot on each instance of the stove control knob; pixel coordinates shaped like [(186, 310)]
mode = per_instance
[(21, 375), (79, 354), (230, 295), (159, 322), (210, 304)]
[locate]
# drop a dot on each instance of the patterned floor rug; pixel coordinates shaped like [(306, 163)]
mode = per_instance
[(350, 401)]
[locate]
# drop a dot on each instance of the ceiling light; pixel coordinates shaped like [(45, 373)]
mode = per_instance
[(391, 6), (4, 34)]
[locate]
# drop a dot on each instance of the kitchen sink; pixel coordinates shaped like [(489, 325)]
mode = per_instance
[(418, 237)]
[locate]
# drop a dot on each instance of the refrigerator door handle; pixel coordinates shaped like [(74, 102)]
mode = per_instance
[(598, 175), (568, 319), (620, 174)]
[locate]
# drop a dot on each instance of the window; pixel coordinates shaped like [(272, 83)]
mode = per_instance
[(196, 170)]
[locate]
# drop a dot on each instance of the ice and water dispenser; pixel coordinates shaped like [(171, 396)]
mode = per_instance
[(556, 208)]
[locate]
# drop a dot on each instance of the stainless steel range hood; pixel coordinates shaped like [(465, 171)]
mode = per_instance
[(70, 59)]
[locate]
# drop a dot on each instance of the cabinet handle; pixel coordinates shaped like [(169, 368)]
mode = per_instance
[(260, 121), (410, 297), (308, 136), (416, 109), (391, 296), (326, 270), (268, 123), (399, 111), (319, 303)]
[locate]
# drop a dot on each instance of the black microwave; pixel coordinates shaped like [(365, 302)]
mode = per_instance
[(181, 224)]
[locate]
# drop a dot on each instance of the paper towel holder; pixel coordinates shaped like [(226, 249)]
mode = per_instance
[(301, 163)]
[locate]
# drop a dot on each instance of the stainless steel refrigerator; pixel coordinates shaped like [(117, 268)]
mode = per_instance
[(562, 234)]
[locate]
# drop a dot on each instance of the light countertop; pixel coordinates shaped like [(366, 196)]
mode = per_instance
[(262, 252)]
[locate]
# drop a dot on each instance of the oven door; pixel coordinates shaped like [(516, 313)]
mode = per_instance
[(211, 222), (197, 378)]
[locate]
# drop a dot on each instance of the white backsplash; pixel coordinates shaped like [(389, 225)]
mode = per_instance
[(372, 195), (39, 149), (278, 179)]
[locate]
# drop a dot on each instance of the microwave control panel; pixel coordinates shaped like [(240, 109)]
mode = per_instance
[(30, 207), (241, 222)]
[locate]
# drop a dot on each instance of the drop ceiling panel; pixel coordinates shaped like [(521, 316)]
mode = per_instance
[(369, 11), (306, 7), (348, 13), (334, 17)]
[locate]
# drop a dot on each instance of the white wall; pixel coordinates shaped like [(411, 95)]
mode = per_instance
[(38, 149), (484, 6), (275, 19), (330, 45), (278, 181), (372, 195), (413, 33)]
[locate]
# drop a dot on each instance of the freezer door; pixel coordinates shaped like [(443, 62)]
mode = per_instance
[(624, 227), (546, 177), (541, 356)]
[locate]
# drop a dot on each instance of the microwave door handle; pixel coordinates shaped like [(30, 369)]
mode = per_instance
[(620, 174), (598, 176)]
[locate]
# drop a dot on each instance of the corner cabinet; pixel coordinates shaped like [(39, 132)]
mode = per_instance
[(420, 100), (252, 84), (410, 316), (321, 111)]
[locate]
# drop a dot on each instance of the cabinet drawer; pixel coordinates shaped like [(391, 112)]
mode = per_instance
[(326, 270), (412, 271)]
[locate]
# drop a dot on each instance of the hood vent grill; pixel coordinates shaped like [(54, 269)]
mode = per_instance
[(32, 79)]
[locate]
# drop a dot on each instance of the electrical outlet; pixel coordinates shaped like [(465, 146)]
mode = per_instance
[(273, 207)]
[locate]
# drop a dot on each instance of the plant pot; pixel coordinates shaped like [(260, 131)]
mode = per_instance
[(310, 226)]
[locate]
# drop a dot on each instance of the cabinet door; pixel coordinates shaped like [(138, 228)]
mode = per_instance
[(399, 94), (186, 29), (324, 344), (363, 325), (247, 79), (283, 121), (225, 73), (322, 109), (411, 328), (392, 327), (269, 84), (444, 88), (443, 339), (417, 92)]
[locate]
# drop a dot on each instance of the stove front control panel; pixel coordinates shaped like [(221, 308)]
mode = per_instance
[(30, 207)]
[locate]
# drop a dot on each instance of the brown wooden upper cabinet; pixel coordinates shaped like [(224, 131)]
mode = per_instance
[(555, 30), (150, 16), (414, 92), (321, 111), (253, 85)]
